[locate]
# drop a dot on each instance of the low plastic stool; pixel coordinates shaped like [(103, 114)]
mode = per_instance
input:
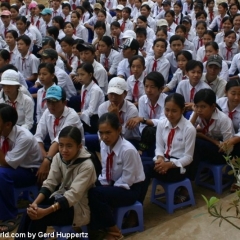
[(69, 229), (120, 213), (217, 173), (169, 189), (26, 192)]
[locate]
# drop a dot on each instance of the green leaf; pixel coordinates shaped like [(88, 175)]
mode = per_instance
[(213, 201), (207, 202), (230, 172)]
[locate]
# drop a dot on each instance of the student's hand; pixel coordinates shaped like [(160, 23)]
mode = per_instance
[(226, 146), (133, 122), (79, 113), (75, 79), (113, 108), (162, 167), (38, 214), (188, 106), (43, 171), (144, 54)]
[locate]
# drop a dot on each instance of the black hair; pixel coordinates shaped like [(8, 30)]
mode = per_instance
[(227, 18), (49, 41), (6, 4), (115, 24), (87, 67), (186, 54), (177, 98), (51, 69), (14, 33), (230, 32), (146, 6), (110, 118), (210, 33), (142, 18), (199, 6), (103, 12), (140, 58), (100, 24), (203, 23), (232, 83), (213, 44), (237, 15), (224, 5), (163, 29), (8, 114), (178, 3), (107, 40), (193, 64), (8, 67), (59, 20), (41, 6), (141, 31), (160, 40), (81, 8), (182, 27), (68, 40), (78, 41), (66, 23), (209, 1), (26, 39), (87, 6), (176, 38), (171, 12), (64, 4), (156, 77), (198, 14), (72, 132), (206, 95), (127, 9), (53, 31), (15, 7), (24, 20), (77, 14), (4, 54)]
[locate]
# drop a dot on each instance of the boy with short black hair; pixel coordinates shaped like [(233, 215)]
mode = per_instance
[(125, 22), (144, 45)]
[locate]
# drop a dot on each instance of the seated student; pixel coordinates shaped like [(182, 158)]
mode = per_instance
[(87, 55), (162, 24), (200, 16), (116, 187), (73, 171), (102, 16), (201, 28), (182, 58), (11, 40), (165, 6), (146, 11), (144, 46), (109, 57), (189, 88), (59, 23), (214, 67), (187, 22), (188, 7), (99, 32), (217, 21), (178, 12), (69, 59), (118, 12), (54, 119), (66, 12), (157, 8), (116, 34), (169, 16), (150, 107), (14, 13), (12, 96), (229, 48), (129, 49), (20, 158), (6, 26), (69, 30), (91, 98), (125, 23), (236, 25), (81, 31), (46, 14), (214, 127), (176, 45), (87, 11), (31, 17), (26, 62), (158, 62), (47, 79), (135, 81), (56, 8), (39, 8), (24, 11), (53, 32), (211, 10), (142, 23)]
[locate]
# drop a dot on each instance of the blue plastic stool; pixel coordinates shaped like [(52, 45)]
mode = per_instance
[(217, 173), (69, 229), (26, 194), (169, 189), (120, 213)]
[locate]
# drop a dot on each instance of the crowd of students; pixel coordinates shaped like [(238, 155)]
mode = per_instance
[(151, 85)]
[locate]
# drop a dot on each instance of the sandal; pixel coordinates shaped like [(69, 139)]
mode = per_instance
[(10, 224), (114, 235), (180, 199)]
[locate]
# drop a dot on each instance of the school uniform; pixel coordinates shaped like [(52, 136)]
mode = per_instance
[(66, 18), (82, 32), (48, 125), (228, 53), (3, 29), (197, 42), (13, 54), (135, 13), (86, 16), (155, 113), (156, 10), (191, 35), (217, 21), (24, 11), (120, 187), (72, 61), (91, 98), (235, 65), (57, 12), (188, 91), (152, 23), (124, 68), (24, 106), (91, 21), (37, 38), (178, 19), (39, 23), (111, 4), (173, 61), (24, 157), (161, 65), (201, 54), (27, 65), (176, 79), (111, 62), (211, 15), (150, 35), (187, 9), (147, 47), (135, 87), (61, 34), (74, 4), (44, 26), (189, 46), (125, 25), (172, 28), (220, 38)]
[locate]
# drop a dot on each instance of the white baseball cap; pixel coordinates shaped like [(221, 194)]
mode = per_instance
[(10, 77), (129, 34), (162, 22), (120, 7), (117, 85)]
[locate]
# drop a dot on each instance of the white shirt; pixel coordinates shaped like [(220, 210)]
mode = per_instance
[(93, 99), (191, 35), (128, 24), (123, 68), (221, 129), (217, 22), (150, 35), (13, 54), (172, 60), (27, 67), (44, 26), (201, 54), (82, 32), (24, 149), (220, 38), (224, 72), (111, 4), (228, 56), (183, 143), (46, 125), (197, 43), (223, 103), (91, 21), (10, 27), (101, 76), (61, 34), (57, 12), (128, 111), (186, 9), (163, 66), (156, 10), (176, 79), (147, 47), (113, 61), (24, 11), (127, 166), (218, 85), (235, 65), (36, 35), (24, 106), (172, 28), (76, 2), (72, 61), (184, 88), (130, 86), (145, 110)]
